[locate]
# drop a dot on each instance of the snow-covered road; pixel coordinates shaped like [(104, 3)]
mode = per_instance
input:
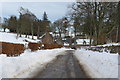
[(65, 66)]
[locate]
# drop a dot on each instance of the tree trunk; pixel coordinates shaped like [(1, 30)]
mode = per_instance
[(75, 32), (59, 32), (4, 29), (38, 33), (32, 30), (17, 33), (95, 24), (118, 39), (26, 35), (20, 34), (119, 33)]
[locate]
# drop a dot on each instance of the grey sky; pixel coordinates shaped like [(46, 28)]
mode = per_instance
[(55, 10)]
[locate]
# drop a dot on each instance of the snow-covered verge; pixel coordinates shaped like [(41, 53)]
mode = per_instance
[(109, 44), (28, 63), (98, 65)]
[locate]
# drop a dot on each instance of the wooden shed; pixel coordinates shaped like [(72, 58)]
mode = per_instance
[(47, 38)]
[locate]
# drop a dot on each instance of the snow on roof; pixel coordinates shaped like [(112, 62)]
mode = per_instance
[(51, 34), (43, 35)]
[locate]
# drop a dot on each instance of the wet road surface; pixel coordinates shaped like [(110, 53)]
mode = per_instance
[(65, 66)]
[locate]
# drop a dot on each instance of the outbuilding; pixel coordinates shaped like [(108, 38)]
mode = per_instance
[(47, 38)]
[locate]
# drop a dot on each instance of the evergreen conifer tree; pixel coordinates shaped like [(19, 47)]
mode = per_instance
[(45, 16)]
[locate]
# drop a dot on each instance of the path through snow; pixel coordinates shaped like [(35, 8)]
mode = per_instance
[(65, 66)]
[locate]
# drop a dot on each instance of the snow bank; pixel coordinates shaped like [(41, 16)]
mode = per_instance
[(28, 63), (109, 44), (98, 65), (1, 29)]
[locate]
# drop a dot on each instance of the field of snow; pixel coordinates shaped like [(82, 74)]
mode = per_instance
[(98, 65), (80, 41), (11, 37), (28, 63)]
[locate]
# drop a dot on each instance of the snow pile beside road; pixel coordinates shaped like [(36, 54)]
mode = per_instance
[(98, 65), (110, 44), (28, 63)]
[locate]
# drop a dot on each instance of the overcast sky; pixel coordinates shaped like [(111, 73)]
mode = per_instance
[(54, 10)]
